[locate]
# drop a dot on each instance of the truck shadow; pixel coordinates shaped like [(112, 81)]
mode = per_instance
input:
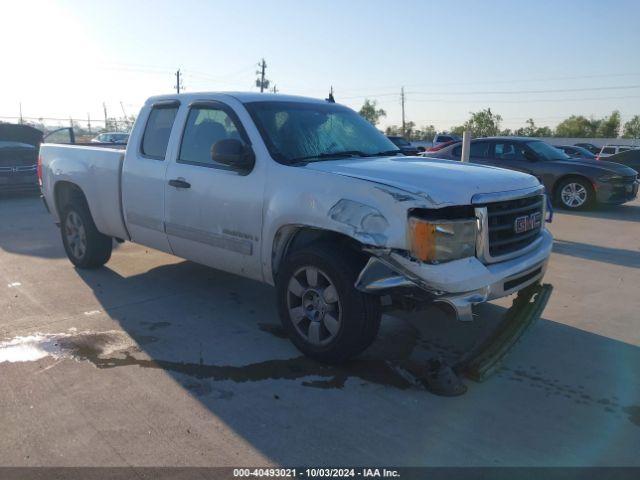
[(26, 228), (22, 217), (615, 256), (218, 337), (629, 212)]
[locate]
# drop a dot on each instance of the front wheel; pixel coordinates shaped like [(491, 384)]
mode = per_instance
[(325, 316), (86, 247), (575, 194)]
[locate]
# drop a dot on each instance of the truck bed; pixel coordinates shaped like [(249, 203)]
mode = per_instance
[(97, 171)]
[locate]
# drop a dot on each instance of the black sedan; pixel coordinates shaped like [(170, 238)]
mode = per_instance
[(573, 183), (19, 146), (590, 147), (404, 145)]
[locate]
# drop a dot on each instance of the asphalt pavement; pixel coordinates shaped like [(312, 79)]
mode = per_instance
[(156, 361)]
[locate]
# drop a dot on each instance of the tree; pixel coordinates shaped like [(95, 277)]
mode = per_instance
[(532, 131), (632, 128), (427, 132), (457, 130), (393, 130), (577, 126), (408, 130), (484, 123), (609, 127), (370, 113)]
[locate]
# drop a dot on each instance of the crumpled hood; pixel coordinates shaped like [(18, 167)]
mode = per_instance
[(442, 182)]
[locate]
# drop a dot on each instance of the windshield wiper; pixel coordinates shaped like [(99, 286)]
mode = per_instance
[(385, 153), (326, 156)]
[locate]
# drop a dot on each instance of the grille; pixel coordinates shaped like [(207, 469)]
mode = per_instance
[(501, 216), (17, 158)]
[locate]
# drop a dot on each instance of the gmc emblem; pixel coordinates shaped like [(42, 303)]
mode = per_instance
[(527, 222)]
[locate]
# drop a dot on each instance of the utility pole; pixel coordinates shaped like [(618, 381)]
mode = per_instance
[(178, 84), (89, 122), (126, 119), (404, 131), (21, 119), (104, 107), (275, 89), (262, 82)]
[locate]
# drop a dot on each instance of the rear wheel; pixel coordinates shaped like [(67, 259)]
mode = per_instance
[(86, 247), (325, 316), (575, 194)]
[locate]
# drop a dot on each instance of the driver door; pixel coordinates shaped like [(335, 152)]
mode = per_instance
[(213, 213), (508, 154)]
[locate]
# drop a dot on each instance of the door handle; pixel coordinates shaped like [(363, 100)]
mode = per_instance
[(176, 182)]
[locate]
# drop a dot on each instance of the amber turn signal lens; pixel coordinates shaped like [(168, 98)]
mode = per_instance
[(423, 239)]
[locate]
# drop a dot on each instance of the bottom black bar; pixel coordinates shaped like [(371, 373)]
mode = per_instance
[(405, 473)]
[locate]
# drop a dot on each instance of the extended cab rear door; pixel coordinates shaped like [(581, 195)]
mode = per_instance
[(143, 177), (213, 213)]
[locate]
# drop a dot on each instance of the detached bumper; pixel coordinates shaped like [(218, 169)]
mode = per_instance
[(461, 283)]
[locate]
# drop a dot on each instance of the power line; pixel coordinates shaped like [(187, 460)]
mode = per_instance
[(539, 100), (505, 81), (505, 92)]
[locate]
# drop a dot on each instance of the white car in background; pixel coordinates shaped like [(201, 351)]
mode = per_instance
[(111, 137), (609, 150)]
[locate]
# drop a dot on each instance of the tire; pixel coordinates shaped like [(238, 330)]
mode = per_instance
[(327, 324), (575, 193), (86, 247)]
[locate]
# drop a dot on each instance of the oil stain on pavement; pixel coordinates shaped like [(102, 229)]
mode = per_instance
[(394, 368)]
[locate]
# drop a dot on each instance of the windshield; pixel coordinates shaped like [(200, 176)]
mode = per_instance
[(546, 151), (302, 132)]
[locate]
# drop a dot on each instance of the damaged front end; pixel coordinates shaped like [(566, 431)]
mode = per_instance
[(461, 256)]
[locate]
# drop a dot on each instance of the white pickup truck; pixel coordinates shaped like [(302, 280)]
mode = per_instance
[(305, 195)]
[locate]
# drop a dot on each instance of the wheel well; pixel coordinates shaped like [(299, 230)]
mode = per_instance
[(567, 177), (66, 193), (294, 237)]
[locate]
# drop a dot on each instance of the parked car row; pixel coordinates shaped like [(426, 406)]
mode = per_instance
[(573, 183), (20, 145), (610, 150)]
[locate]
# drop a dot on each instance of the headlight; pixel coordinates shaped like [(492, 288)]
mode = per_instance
[(442, 240)]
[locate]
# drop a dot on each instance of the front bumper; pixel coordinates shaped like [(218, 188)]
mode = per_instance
[(616, 193), (460, 284)]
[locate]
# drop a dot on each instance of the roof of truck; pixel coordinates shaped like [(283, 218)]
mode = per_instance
[(244, 97)]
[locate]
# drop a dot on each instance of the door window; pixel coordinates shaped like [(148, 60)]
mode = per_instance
[(157, 132), (479, 149), (507, 151), (206, 126)]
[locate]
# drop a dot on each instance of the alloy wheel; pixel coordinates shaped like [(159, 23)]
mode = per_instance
[(314, 305), (573, 195), (75, 234)]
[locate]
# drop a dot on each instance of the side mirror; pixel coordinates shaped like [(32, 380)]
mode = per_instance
[(532, 157), (234, 153)]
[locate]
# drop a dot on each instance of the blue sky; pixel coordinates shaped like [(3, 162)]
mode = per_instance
[(540, 59)]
